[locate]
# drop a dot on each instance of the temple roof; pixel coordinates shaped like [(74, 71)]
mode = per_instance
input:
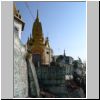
[(37, 29), (17, 16)]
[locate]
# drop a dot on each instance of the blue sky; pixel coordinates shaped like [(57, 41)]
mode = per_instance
[(63, 22)]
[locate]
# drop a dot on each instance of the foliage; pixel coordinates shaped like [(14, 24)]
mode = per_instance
[(75, 64)]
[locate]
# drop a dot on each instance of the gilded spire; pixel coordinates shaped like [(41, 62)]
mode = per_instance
[(37, 18), (37, 34), (37, 27), (37, 14)]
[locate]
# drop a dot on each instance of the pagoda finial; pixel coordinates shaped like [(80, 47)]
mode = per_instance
[(37, 17), (64, 53), (37, 14)]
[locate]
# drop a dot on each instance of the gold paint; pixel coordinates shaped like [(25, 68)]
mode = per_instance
[(37, 40)]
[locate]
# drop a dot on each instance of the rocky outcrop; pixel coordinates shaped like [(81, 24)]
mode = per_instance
[(20, 69), (25, 78), (34, 90)]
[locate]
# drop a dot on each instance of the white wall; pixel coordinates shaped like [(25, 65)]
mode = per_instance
[(19, 26), (48, 57), (20, 66)]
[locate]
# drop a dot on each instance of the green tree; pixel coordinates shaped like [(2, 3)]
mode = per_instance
[(75, 64)]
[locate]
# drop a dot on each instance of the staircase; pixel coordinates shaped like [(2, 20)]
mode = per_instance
[(34, 90)]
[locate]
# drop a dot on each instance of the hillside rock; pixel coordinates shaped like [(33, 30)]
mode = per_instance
[(20, 69)]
